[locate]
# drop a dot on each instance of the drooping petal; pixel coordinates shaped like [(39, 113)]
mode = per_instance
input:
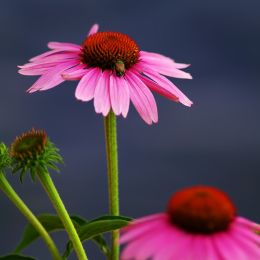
[(51, 78), (36, 69), (44, 55), (165, 70), (142, 98), (156, 58), (169, 86), (134, 230), (114, 95), (145, 245), (93, 29), (58, 57), (227, 248), (64, 46), (101, 97), (119, 95), (168, 93), (75, 73), (86, 87)]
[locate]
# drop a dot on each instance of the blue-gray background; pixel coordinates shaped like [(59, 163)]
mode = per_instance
[(216, 142)]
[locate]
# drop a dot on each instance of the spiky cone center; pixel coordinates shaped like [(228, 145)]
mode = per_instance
[(110, 51), (29, 145), (201, 209)]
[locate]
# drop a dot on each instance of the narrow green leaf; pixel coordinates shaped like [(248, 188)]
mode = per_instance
[(16, 257), (97, 227), (51, 223)]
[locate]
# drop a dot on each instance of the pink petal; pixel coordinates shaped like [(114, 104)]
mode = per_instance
[(154, 58), (175, 247), (102, 99), (247, 233), (114, 95), (64, 46), (86, 87), (169, 86), (119, 95), (146, 244), (40, 70), (75, 73), (93, 29), (142, 98), (63, 56), (166, 92), (227, 248), (133, 231), (50, 79), (248, 223), (44, 55)]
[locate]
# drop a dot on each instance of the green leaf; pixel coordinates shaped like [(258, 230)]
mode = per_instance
[(97, 227), (51, 223), (16, 257)]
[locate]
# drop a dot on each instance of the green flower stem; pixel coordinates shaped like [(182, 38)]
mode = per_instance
[(17, 201), (63, 214), (112, 168)]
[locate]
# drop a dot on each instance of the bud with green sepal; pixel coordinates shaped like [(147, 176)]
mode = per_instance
[(33, 152)]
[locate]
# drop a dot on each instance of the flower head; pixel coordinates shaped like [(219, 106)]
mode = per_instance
[(34, 152), (5, 160), (200, 223), (112, 70)]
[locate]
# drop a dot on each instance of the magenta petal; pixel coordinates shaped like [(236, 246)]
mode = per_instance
[(166, 92), (119, 95), (168, 71), (155, 58), (142, 98), (93, 29), (133, 230), (50, 79), (64, 46), (86, 87), (101, 96), (75, 73), (44, 55), (114, 94), (168, 85), (125, 96)]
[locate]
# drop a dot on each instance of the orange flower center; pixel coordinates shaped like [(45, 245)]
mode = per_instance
[(110, 50), (201, 209)]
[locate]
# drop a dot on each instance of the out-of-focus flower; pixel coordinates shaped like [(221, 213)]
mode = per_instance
[(200, 224), (112, 70)]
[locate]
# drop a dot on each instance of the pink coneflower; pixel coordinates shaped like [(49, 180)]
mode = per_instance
[(112, 70), (200, 224)]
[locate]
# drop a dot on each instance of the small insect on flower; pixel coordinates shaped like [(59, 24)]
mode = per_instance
[(32, 151), (120, 68), (200, 223), (112, 70)]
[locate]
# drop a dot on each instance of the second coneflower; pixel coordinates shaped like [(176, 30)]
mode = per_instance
[(200, 224), (112, 70)]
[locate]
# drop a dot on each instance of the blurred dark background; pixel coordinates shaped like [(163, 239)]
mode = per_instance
[(216, 142)]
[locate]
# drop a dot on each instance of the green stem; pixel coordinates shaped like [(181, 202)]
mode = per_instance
[(17, 201), (63, 214), (112, 169)]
